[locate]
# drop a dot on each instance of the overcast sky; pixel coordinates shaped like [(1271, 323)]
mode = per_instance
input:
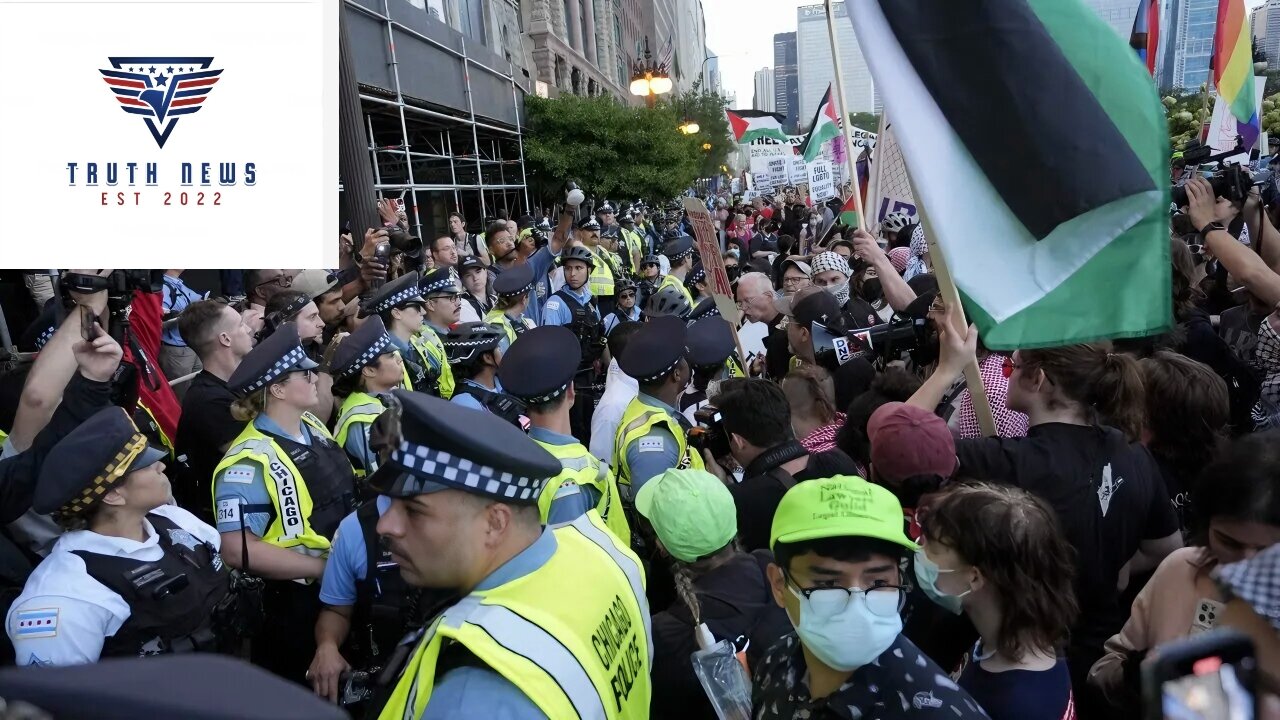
[(741, 33)]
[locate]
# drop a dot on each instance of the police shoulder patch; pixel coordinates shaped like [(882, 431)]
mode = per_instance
[(35, 623), (238, 474), (652, 444)]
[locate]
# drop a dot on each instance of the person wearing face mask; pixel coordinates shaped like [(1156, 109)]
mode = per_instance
[(1235, 515), (831, 273), (399, 305), (997, 554), (838, 551)]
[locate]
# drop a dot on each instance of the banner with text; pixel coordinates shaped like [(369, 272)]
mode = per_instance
[(822, 183)]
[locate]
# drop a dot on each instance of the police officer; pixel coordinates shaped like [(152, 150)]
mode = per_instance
[(711, 351), (539, 370), (475, 353), (440, 311), (604, 267), (626, 309), (633, 245), (512, 289), (365, 365), (696, 284), (706, 308), (679, 250), (133, 575), (667, 302), (651, 437), (399, 304), (279, 493), (650, 276), (464, 516), (574, 306)]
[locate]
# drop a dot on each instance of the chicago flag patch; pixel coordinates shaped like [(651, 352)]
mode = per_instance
[(37, 623)]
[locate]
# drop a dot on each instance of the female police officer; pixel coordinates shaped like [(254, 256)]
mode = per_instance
[(365, 364), (279, 493), (133, 575)]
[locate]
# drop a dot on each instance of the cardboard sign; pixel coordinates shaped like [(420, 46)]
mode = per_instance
[(822, 182), (704, 233)]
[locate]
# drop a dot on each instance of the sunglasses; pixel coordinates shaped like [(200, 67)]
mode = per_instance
[(626, 296), (1009, 366)]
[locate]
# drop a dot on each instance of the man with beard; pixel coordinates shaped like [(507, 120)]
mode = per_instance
[(506, 255)]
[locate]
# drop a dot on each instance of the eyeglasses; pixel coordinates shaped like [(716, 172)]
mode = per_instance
[(414, 305), (1009, 366), (306, 374), (794, 281), (827, 602), (280, 280)]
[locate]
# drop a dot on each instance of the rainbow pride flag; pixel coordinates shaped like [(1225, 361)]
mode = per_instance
[(1232, 64), (1145, 38)]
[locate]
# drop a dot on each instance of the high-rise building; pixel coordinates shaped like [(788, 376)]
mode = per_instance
[(689, 52), (575, 45), (1192, 39), (711, 77), (814, 67), (1268, 32), (764, 90), (786, 99), (1117, 13)]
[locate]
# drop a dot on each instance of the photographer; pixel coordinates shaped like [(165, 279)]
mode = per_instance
[(1210, 214), (757, 423)]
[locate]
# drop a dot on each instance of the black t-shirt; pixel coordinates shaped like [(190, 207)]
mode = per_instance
[(206, 426), (1108, 495), (757, 497), (860, 313), (1238, 326)]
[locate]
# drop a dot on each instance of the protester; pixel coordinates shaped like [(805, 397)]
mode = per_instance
[(838, 546), (998, 554), (717, 584), (812, 396), (444, 253), (177, 359), (831, 272), (756, 300), (465, 243)]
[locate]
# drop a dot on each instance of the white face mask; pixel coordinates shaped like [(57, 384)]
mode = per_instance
[(927, 574), (846, 639)]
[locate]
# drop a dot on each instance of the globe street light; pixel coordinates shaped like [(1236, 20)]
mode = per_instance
[(649, 79), (689, 127)]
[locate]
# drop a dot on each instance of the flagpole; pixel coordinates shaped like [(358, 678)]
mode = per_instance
[(844, 118)]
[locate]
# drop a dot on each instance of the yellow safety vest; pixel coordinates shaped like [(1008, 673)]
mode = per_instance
[(639, 418), (588, 658), (358, 408), (581, 468), (600, 283), (429, 347), (500, 318), (291, 527), (634, 245), (733, 368), (672, 281)]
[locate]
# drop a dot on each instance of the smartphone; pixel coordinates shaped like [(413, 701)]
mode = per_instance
[(88, 323), (1208, 676)]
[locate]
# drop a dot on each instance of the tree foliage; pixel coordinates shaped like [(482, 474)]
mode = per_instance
[(610, 149), (865, 120), (1186, 113), (707, 109)]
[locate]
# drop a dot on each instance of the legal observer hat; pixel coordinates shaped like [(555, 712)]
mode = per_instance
[(514, 281), (314, 283), (439, 282), (394, 294), (655, 349), (92, 460), (362, 347), (279, 353), (840, 506), (691, 511), (439, 445), (540, 365)]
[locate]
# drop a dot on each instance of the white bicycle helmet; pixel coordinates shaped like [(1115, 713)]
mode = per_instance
[(895, 221)]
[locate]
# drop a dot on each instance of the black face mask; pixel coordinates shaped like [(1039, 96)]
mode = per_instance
[(871, 290), (732, 272)]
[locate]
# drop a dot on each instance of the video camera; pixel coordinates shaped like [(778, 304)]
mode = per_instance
[(708, 433), (1231, 182), (887, 340), (120, 286)]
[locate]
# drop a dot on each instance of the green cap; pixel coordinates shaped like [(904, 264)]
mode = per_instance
[(691, 511), (841, 506)]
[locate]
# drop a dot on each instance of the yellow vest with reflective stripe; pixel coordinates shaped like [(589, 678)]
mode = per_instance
[(673, 281), (500, 318), (3, 436), (733, 368), (588, 658), (634, 245), (637, 420), (583, 469), (291, 527), (600, 283), (428, 345), (358, 408)]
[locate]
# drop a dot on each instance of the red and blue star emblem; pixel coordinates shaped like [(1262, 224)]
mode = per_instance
[(161, 89)]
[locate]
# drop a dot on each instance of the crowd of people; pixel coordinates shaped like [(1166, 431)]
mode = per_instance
[(538, 471)]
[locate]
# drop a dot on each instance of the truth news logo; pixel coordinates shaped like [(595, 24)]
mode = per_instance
[(161, 89)]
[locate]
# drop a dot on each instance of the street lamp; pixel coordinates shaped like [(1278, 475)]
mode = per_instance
[(706, 146), (689, 127), (649, 79)]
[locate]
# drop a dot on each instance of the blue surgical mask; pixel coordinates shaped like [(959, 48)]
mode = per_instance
[(846, 639), (927, 572)]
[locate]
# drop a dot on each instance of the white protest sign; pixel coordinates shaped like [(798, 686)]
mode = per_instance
[(769, 165), (822, 182)]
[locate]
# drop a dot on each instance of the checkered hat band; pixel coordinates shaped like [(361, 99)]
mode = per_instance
[(514, 293), (438, 466), (663, 373), (110, 476), (438, 286), (378, 347), (394, 300), (683, 255), (548, 396), (280, 367)]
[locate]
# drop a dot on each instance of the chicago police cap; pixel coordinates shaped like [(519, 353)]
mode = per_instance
[(540, 364)]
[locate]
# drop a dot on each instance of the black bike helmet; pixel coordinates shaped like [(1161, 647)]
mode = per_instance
[(622, 285), (468, 341), (668, 300), (577, 252)]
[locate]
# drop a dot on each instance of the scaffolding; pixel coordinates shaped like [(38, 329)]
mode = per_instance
[(437, 159)]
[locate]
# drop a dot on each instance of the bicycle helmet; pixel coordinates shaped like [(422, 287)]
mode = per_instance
[(468, 341), (577, 252), (895, 221), (622, 285), (668, 300)]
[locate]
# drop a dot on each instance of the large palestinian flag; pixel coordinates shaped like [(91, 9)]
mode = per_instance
[(1038, 158), (825, 126), (747, 125)]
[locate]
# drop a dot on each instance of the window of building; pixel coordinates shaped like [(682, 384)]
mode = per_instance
[(471, 16), (568, 19)]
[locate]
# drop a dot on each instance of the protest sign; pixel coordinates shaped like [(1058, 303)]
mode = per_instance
[(822, 182)]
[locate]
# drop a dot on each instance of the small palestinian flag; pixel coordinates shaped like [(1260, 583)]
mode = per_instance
[(849, 211), (823, 128), (747, 125), (1040, 157)]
